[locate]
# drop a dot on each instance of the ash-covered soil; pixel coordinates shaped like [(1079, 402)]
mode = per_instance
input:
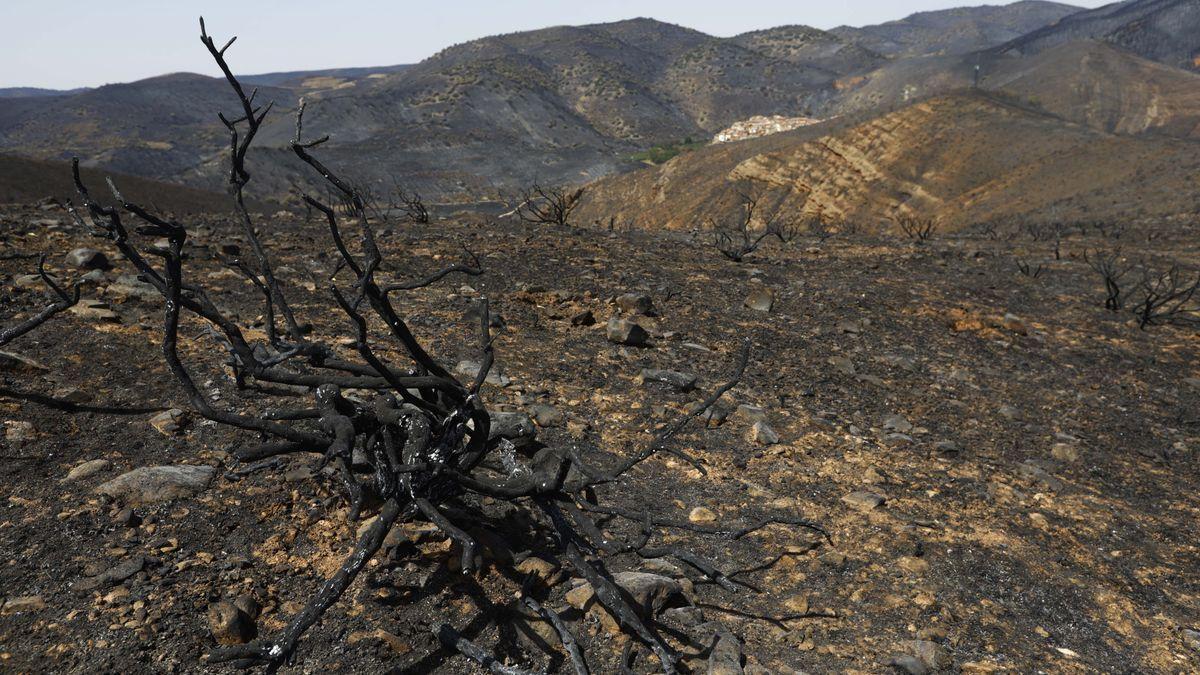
[(1007, 470)]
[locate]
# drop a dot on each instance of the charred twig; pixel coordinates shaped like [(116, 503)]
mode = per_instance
[(66, 300)]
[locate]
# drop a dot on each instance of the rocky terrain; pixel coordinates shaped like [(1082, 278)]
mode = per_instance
[(1006, 469)]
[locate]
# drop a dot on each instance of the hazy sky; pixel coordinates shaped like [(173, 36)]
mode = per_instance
[(71, 43)]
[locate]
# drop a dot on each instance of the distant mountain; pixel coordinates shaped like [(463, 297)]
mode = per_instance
[(574, 103), (956, 31), (1161, 30), (963, 158), (28, 92), (1089, 82)]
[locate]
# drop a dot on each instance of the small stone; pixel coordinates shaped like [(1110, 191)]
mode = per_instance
[(678, 380), (1191, 638), (906, 663), (864, 501), (153, 484), (843, 365), (947, 447), (1014, 323), (88, 259), (517, 427), (95, 310), (19, 431), (650, 592), (749, 414), (546, 415), (471, 370), (934, 656), (87, 469), (25, 603), (475, 314), (763, 434), (130, 287), (113, 575), (635, 303), (852, 327), (726, 657), (229, 625), (584, 318), (702, 515), (544, 571), (761, 299), (126, 517), (1065, 452), (626, 332), (169, 422), (897, 423), (1008, 412)]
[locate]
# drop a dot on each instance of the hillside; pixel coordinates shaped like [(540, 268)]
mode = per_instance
[(477, 120), (963, 158), (1089, 82), (956, 31), (26, 181), (1162, 30)]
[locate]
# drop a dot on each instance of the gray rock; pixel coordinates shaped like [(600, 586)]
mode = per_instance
[(95, 310), (113, 575), (19, 431), (864, 501), (906, 663), (546, 415), (726, 657), (470, 369), (1065, 452), (88, 259), (87, 469), (129, 287), (1191, 638), (947, 447), (475, 314), (584, 318), (761, 299), (1008, 412), (650, 592), (635, 303), (897, 440), (153, 484), (229, 624), (749, 413), (169, 422), (762, 433), (934, 656), (678, 380), (1030, 469), (23, 604), (626, 332), (842, 365), (897, 423), (515, 426)]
